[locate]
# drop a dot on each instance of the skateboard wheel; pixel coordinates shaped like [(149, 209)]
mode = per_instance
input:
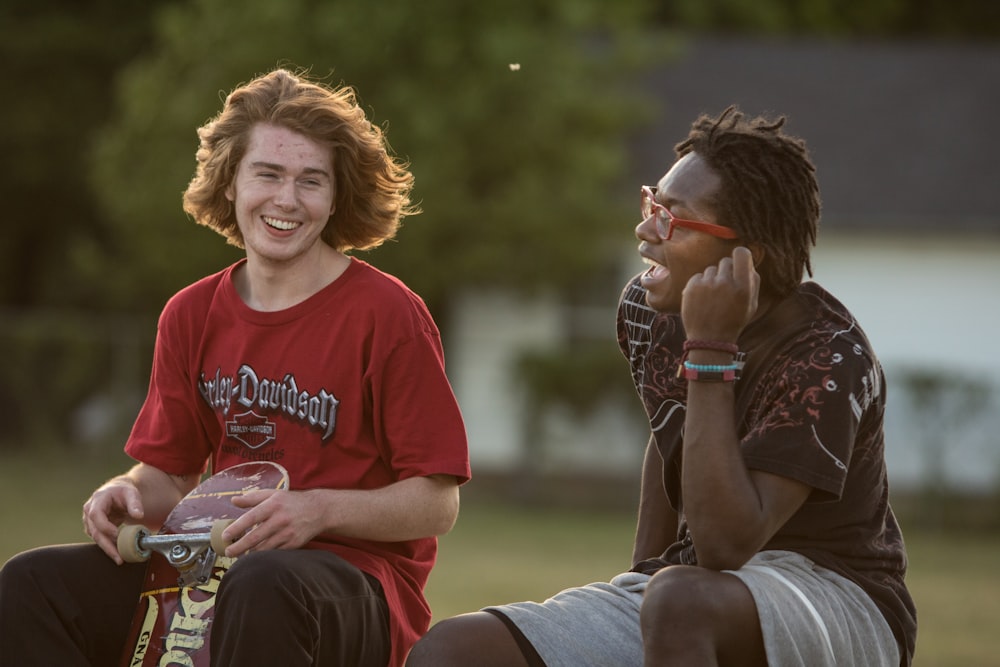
[(218, 544), (130, 537)]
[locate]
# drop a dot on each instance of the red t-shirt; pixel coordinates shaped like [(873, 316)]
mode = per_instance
[(346, 390)]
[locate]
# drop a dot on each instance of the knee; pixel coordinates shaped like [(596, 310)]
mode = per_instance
[(291, 580), (255, 576), (454, 641), (679, 596), (28, 562), (437, 647), (27, 567), (258, 567), (692, 614), (14, 571)]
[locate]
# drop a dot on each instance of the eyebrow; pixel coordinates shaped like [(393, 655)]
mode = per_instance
[(670, 201), (277, 167)]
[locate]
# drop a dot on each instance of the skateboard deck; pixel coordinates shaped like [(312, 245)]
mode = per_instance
[(173, 620)]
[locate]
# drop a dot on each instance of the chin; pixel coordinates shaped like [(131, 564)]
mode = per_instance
[(661, 303)]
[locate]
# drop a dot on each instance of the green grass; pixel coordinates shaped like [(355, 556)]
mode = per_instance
[(500, 553)]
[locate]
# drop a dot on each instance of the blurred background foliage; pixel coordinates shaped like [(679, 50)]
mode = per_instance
[(493, 104), (516, 117)]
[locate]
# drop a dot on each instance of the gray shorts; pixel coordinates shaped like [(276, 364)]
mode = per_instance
[(808, 614)]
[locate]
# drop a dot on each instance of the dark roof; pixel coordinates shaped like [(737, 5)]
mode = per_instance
[(902, 134)]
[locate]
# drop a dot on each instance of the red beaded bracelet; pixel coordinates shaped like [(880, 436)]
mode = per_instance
[(716, 345)]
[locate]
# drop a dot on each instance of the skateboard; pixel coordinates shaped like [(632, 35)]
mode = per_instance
[(173, 620)]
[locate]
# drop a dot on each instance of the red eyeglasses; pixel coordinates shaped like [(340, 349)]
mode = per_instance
[(666, 222)]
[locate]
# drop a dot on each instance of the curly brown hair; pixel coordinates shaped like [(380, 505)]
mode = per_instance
[(372, 187), (769, 193)]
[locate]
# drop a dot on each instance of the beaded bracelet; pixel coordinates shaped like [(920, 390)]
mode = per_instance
[(694, 372), (716, 345), (712, 368), (710, 372)]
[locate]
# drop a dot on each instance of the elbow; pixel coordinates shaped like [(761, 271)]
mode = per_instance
[(724, 554), (444, 527), (720, 560), (445, 523), (447, 514)]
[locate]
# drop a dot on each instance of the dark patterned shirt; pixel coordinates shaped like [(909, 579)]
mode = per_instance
[(810, 406)]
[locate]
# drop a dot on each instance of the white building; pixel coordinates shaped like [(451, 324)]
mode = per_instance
[(906, 148)]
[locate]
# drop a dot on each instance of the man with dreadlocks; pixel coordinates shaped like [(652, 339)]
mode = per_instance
[(765, 535)]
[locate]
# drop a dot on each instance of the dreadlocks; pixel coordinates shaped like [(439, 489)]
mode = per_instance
[(769, 193)]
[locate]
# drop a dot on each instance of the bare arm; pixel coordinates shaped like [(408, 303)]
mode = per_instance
[(657, 525), (144, 494), (731, 511), (409, 509)]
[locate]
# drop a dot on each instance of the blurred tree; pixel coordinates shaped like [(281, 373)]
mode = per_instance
[(517, 167), (59, 59), (512, 114)]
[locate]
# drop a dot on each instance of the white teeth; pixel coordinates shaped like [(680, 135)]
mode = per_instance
[(283, 225)]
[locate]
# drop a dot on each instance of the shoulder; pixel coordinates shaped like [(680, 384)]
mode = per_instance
[(196, 299), (830, 324), (828, 349), (381, 295)]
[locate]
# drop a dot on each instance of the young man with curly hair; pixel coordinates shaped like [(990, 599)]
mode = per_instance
[(342, 362)]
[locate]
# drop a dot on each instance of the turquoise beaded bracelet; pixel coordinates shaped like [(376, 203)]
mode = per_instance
[(711, 372), (711, 368)]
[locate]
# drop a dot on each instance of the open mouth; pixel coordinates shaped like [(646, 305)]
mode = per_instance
[(656, 271), (282, 225)]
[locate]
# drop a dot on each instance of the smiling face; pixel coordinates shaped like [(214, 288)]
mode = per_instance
[(688, 190), (283, 195)]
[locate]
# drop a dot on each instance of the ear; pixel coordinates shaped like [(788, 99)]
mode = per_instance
[(230, 193), (758, 252)]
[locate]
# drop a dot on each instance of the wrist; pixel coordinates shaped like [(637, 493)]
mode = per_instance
[(710, 372), (709, 357), (120, 480), (710, 361)]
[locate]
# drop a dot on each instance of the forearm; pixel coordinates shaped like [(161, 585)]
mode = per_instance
[(721, 502), (143, 495), (160, 491), (731, 511), (413, 508)]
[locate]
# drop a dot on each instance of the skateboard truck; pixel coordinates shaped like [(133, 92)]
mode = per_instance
[(191, 554)]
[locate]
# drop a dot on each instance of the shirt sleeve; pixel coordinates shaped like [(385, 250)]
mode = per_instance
[(169, 431), (422, 430)]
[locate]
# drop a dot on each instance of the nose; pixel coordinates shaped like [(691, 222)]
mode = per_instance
[(646, 230), (286, 195)]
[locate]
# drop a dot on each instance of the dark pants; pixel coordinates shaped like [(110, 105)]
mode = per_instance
[(71, 605)]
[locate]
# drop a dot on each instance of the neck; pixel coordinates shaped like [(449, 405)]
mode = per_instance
[(766, 301), (272, 286)]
